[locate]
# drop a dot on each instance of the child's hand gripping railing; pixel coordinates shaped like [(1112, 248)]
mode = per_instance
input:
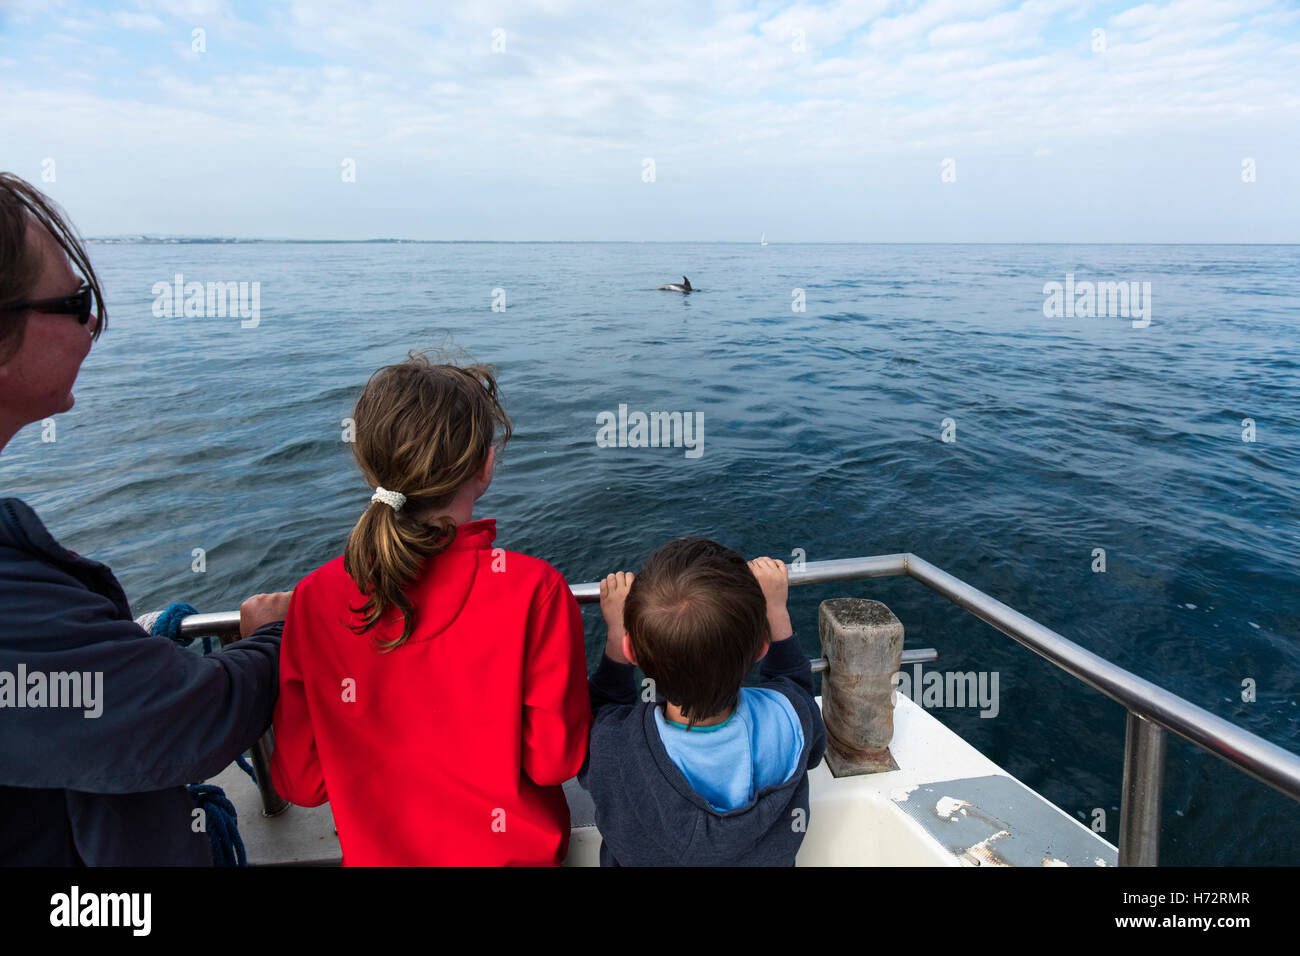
[(1151, 709)]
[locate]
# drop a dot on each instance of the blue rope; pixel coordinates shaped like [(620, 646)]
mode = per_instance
[(169, 623), (222, 824)]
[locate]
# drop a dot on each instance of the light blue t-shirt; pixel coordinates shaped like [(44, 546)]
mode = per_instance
[(757, 746)]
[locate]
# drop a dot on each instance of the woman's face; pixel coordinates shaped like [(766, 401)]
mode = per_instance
[(37, 381)]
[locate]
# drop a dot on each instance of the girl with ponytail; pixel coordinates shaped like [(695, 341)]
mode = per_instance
[(432, 686)]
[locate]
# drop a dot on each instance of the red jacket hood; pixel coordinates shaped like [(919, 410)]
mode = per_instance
[(454, 569)]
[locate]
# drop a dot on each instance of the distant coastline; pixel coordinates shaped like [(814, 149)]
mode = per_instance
[(228, 241), (223, 240)]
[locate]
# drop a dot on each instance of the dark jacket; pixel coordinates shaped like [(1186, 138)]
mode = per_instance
[(110, 790), (647, 812)]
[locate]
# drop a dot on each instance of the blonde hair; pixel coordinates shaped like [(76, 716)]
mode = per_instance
[(424, 430)]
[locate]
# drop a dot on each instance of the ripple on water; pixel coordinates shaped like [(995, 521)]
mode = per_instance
[(822, 432)]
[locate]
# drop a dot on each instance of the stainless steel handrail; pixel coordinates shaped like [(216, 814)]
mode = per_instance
[(1149, 706)]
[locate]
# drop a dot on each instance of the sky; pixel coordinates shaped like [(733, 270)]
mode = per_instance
[(857, 120)]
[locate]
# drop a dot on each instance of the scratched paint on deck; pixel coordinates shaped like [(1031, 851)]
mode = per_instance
[(998, 821)]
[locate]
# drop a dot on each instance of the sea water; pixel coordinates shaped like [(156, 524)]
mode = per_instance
[(1129, 482)]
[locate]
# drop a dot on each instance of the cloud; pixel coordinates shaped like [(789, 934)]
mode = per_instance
[(138, 21), (582, 90)]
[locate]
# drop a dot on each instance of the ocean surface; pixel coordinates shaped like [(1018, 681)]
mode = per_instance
[(823, 431)]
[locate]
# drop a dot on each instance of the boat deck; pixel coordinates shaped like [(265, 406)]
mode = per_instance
[(946, 805)]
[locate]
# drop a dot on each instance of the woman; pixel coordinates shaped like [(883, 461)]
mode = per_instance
[(101, 724)]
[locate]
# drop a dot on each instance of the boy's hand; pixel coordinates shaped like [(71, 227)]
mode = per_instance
[(613, 594), (774, 579), (262, 609)]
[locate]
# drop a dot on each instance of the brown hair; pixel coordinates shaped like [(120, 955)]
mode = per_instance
[(423, 430), (697, 620), (21, 206)]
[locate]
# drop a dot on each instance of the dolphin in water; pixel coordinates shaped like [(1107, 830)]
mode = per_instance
[(674, 287)]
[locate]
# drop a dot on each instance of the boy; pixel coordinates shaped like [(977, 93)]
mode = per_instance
[(712, 773)]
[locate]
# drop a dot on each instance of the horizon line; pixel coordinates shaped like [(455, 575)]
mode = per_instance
[(163, 239)]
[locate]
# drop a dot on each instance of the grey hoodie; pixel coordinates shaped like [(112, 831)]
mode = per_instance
[(647, 812)]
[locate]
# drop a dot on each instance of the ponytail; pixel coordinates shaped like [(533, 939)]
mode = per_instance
[(425, 431), (385, 552)]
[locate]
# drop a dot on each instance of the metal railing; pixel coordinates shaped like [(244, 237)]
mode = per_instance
[(1150, 708)]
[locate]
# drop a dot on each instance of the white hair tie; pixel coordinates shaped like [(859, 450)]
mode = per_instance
[(394, 499)]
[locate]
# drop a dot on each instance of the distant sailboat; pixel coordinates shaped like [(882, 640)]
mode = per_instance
[(762, 241)]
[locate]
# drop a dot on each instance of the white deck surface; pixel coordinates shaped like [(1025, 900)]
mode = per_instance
[(853, 821)]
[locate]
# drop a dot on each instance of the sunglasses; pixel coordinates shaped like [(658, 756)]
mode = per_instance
[(78, 304)]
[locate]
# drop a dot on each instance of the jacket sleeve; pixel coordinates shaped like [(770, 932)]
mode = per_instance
[(557, 714), (787, 659), (787, 666), (612, 684), (161, 716), (295, 763), (611, 689)]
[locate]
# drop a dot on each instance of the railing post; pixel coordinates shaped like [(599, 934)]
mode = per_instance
[(272, 803), (1144, 784), (862, 642)]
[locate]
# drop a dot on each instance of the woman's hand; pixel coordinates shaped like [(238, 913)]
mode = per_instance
[(262, 609)]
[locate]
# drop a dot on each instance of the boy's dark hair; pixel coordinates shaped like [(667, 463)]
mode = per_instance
[(697, 620)]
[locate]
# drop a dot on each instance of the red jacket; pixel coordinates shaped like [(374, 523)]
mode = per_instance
[(450, 749)]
